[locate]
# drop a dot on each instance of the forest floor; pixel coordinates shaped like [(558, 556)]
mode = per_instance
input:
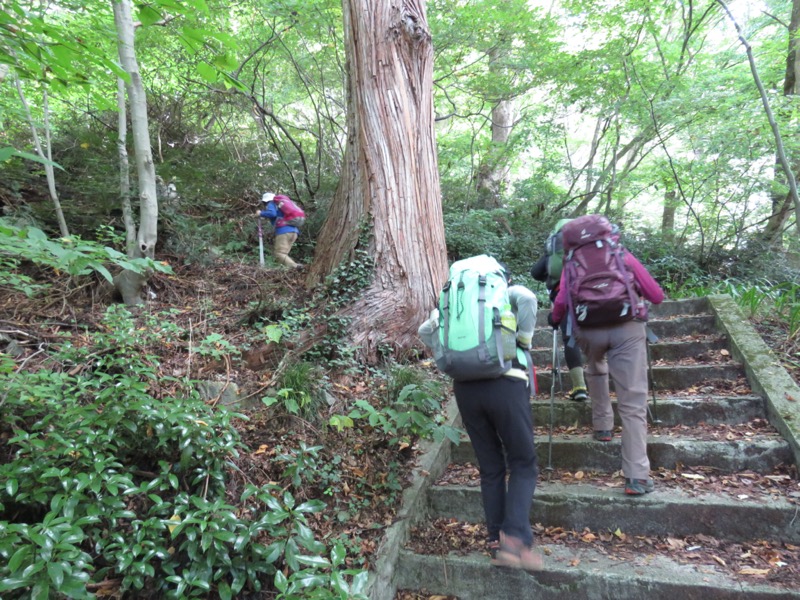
[(363, 491), (356, 471)]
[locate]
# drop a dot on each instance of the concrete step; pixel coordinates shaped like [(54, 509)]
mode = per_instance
[(665, 512), (672, 377), (717, 486), (699, 325), (581, 574), (702, 348), (685, 306), (672, 410), (761, 454), (666, 310)]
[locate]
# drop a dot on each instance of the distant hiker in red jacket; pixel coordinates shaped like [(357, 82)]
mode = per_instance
[(286, 217), (618, 348)]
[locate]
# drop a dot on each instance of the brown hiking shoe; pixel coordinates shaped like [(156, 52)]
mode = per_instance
[(515, 555), (603, 436)]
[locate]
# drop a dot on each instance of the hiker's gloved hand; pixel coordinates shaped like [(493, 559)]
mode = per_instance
[(524, 342), (550, 321), (258, 213)]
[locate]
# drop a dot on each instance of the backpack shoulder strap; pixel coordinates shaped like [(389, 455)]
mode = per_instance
[(618, 251)]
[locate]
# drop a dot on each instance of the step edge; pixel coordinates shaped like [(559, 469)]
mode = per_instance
[(763, 369), (688, 583)]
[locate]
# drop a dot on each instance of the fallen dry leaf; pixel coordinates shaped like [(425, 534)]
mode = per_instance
[(676, 544), (751, 571)]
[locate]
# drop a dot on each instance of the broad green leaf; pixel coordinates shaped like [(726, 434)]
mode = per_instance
[(6, 153), (104, 272), (18, 557), (12, 583), (207, 72), (148, 15), (224, 591), (281, 583), (56, 573), (314, 561)]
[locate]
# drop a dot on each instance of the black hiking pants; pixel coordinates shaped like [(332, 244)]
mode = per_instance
[(497, 416)]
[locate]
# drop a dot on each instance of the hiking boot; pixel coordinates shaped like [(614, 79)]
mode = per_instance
[(603, 436), (579, 394), (638, 487), (514, 554)]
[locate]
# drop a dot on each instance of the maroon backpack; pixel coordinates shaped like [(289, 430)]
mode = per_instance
[(292, 214), (601, 288)]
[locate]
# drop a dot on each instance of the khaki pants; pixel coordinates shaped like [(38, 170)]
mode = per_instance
[(282, 247), (621, 351)]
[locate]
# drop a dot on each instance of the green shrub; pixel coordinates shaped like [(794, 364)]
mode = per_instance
[(71, 256), (415, 414), (108, 482)]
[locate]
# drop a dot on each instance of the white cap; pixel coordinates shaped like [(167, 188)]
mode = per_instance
[(267, 196)]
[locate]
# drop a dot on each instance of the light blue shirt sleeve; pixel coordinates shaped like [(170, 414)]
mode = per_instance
[(525, 306), (429, 334)]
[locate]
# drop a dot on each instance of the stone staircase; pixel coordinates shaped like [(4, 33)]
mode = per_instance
[(723, 522)]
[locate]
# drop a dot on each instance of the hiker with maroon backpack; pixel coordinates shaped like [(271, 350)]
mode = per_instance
[(602, 296), (287, 218)]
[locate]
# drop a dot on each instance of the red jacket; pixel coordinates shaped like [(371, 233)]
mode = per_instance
[(646, 284)]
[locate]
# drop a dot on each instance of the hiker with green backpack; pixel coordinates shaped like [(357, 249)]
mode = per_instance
[(548, 270), (480, 334)]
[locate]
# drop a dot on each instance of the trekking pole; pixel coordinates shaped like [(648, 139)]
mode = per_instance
[(260, 243), (552, 401), (558, 370), (651, 338)]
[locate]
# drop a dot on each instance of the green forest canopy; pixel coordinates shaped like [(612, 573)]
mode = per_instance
[(645, 111)]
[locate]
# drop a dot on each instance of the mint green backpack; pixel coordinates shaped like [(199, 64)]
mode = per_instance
[(554, 249), (477, 329)]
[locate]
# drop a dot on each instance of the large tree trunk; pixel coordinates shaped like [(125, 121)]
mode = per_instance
[(129, 284), (493, 171), (668, 215), (390, 180), (782, 203)]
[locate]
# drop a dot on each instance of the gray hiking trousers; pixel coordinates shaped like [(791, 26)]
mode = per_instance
[(620, 351)]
